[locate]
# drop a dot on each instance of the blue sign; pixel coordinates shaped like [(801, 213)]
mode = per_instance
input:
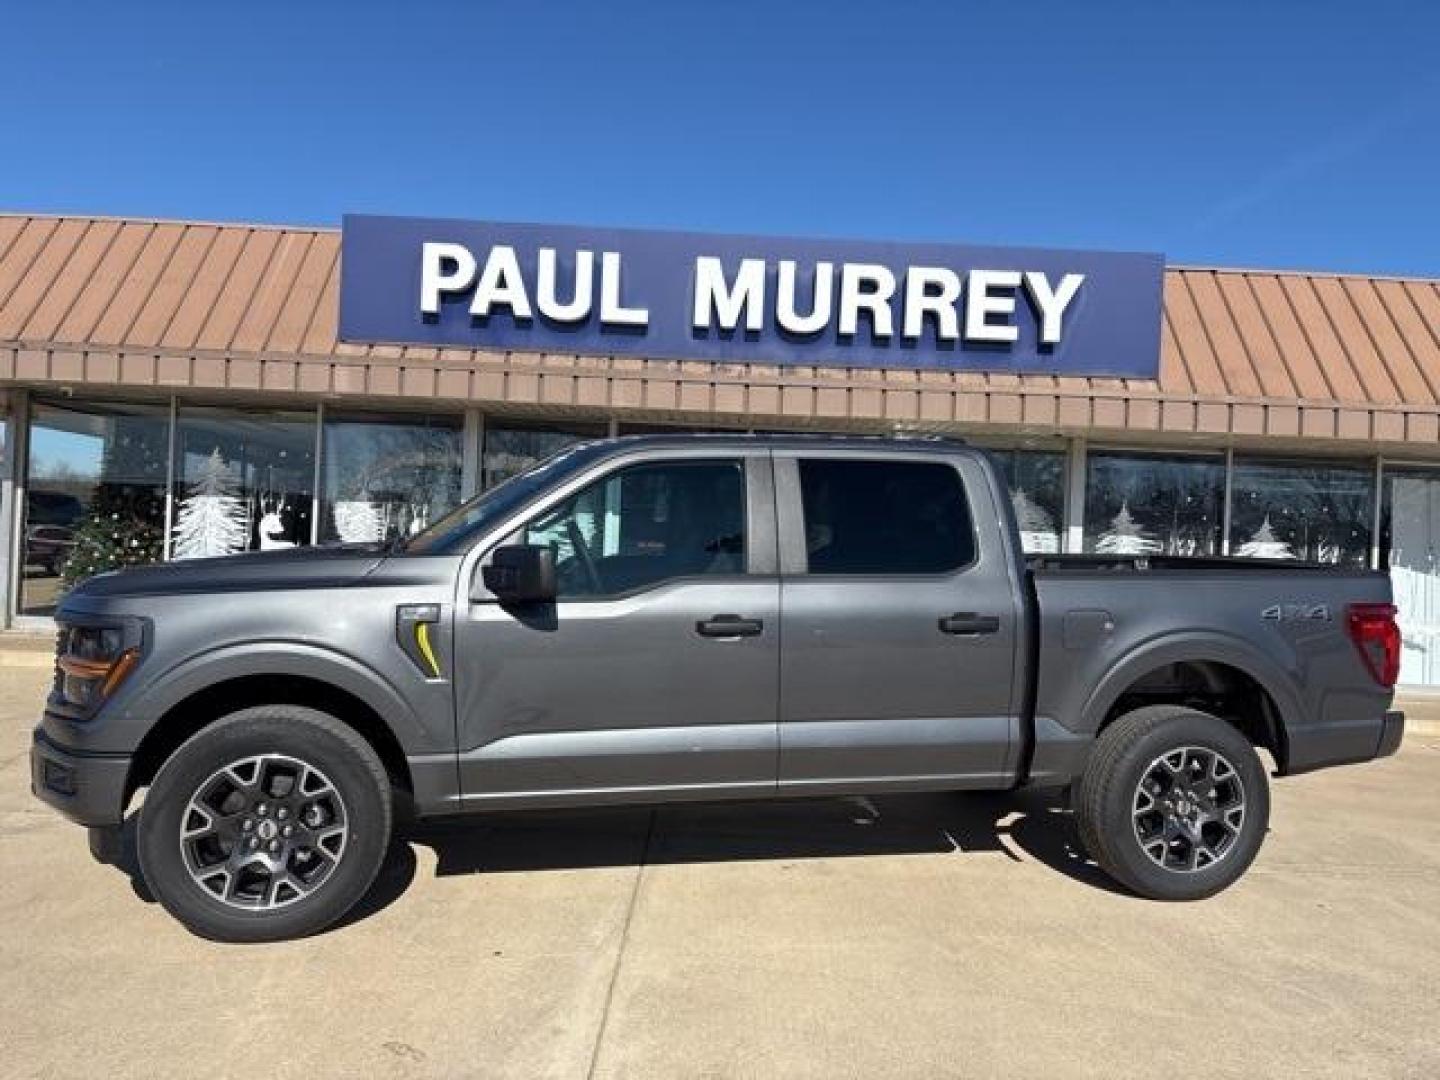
[(749, 299)]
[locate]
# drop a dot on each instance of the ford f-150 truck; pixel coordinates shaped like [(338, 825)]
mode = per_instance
[(696, 617)]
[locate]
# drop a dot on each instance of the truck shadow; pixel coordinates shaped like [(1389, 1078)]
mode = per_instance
[(1030, 826), (1026, 826)]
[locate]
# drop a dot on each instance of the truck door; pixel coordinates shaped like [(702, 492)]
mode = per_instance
[(657, 667), (899, 623)]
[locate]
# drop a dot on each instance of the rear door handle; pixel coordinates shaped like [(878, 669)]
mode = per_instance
[(729, 626), (968, 622)]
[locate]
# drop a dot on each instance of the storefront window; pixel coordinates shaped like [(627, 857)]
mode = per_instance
[(1153, 504), (512, 448), (1036, 479), (94, 496), (676, 429), (1410, 551), (243, 481), (1313, 511), (388, 477)]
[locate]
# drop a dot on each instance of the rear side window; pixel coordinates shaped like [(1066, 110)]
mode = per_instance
[(884, 517)]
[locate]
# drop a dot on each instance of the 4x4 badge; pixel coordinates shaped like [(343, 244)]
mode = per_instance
[(1296, 613)]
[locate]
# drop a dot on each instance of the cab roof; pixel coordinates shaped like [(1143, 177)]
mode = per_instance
[(817, 440)]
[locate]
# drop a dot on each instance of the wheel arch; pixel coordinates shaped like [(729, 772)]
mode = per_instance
[(1211, 673), (210, 687)]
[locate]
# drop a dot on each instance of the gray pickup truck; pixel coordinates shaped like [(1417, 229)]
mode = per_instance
[(696, 617)]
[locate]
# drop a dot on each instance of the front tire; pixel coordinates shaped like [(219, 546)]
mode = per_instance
[(1173, 804), (269, 824)]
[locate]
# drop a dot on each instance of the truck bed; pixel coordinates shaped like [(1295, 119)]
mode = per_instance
[(1102, 623), (1045, 564)]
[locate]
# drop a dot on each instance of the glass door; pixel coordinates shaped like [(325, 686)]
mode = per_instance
[(1410, 550)]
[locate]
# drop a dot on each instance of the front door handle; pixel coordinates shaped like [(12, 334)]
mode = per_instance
[(968, 622), (729, 626)]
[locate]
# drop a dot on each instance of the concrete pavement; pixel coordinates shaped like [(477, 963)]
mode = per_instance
[(922, 936)]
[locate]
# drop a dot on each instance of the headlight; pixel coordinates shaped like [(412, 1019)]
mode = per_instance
[(92, 662)]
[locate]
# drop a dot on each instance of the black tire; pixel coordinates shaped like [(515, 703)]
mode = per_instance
[(1130, 833), (350, 789)]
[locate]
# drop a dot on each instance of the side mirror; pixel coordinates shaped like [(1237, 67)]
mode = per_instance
[(521, 574)]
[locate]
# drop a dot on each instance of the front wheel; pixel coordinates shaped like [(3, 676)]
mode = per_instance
[(269, 824), (1173, 803)]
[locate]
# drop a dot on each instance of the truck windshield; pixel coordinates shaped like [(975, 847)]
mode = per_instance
[(458, 529)]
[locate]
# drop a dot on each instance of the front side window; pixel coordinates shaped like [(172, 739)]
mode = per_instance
[(647, 524), (884, 517)]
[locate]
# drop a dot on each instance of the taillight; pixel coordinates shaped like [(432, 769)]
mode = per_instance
[(1376, 634)]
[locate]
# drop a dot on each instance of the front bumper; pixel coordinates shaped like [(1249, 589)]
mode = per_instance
[(86, 788)]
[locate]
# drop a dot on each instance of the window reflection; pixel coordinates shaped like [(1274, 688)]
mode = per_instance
[(1410, 551), (388, 477), (629, 428), (94, 496), (1313, 511), (243, 481), (1153, 504), (1036, 479), (512, 448)]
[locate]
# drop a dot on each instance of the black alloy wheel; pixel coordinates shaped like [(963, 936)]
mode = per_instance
[(268, 824), (1173, 803)]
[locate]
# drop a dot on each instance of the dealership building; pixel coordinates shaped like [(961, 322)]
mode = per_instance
[(171, 389)]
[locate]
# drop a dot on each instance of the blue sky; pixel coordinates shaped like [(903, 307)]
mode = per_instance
[(1277, 133)]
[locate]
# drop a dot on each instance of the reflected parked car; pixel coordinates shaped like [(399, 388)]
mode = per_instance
[(49, 535), (48, 546)]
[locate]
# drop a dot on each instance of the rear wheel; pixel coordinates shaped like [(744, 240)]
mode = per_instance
[(269, 824), (1173, 804)]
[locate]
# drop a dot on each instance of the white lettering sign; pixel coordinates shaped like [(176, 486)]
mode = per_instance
[(931, 290), (713, 297), (612, 312), (500, 283), (581, 289), (444, 268), (981, 305), (1051, 303), (983, 302), (791, 320)]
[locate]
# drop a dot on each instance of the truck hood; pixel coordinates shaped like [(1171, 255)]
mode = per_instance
[(327, 566)]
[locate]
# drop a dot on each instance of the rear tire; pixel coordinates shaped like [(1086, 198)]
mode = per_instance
[(269, 824), (1173, 804)]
